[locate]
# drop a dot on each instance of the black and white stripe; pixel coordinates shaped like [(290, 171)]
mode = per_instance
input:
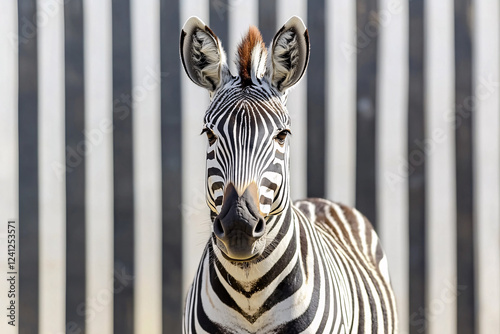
[(331, 277)]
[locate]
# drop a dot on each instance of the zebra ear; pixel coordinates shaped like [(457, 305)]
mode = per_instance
[(202, 55), (289, 54)]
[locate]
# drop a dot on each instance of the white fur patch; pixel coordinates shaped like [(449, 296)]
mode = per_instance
[(259, 58)]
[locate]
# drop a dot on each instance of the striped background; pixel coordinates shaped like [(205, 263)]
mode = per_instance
[(102, 167)]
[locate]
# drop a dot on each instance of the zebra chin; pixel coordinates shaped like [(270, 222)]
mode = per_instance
[(240, 249)]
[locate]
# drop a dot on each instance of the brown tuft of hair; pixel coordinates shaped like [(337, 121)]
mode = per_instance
[(252, 38)]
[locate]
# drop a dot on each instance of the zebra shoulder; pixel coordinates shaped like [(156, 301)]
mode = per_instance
[(347, 227)]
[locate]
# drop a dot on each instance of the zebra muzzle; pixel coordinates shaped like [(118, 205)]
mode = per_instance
[(239, 227)]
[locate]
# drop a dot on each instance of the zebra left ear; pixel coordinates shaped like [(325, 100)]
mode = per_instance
[(289, 54), (202, 55)]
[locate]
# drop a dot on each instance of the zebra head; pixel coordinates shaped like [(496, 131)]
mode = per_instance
[(246, 125)]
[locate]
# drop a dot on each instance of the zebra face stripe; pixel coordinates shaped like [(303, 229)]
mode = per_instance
[(247, 166), (246, 129)]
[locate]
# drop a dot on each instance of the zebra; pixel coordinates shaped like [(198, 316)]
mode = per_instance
[(271, 265)]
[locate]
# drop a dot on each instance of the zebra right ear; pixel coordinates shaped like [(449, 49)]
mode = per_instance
[(202, 55), (289, 54)]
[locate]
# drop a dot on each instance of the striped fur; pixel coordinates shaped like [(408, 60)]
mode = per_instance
[(319, 267), (329, 276)]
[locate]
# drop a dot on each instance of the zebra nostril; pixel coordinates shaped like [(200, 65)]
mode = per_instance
[(259, 228), (218, 229)]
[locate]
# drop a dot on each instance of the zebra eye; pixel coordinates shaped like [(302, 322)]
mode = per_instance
[(280, 137), (210, 136)]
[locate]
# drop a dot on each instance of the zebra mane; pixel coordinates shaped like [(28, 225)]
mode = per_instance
[(252, 56)]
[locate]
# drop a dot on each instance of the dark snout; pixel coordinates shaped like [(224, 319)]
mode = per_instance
[(239, 226)]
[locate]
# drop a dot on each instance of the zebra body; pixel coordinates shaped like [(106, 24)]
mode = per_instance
[(298, 278), (272, 266)]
